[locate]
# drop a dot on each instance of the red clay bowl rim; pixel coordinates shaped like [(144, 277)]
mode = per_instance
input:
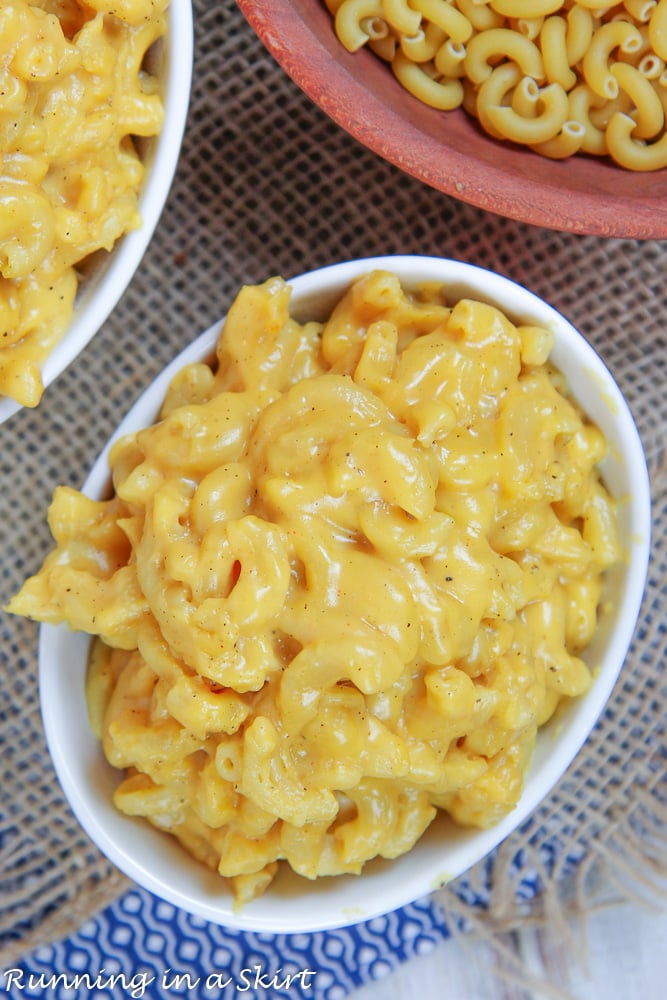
[(535, 194)]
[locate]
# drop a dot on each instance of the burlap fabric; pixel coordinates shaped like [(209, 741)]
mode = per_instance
[(268, 185)]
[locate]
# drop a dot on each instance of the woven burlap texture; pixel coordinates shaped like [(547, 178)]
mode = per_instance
[(267, 184)]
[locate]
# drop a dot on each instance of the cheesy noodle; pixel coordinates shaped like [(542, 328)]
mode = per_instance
[(73, 97), (340, 582), (558, 77)]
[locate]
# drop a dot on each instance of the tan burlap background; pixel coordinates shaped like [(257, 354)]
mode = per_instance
[(268, 185)]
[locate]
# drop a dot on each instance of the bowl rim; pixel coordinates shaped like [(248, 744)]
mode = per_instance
[(557, 747), (96, 301), (535, 195)]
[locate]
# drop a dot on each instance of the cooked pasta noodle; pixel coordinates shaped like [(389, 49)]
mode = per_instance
[(640, 10), (538, 128), (596, 68), (448, 18), (580, 101), (553, 43), (580, 28), (340, 583), (448, 53), (445, 95), (525, 8), (401, 14), (628, 151), (423, 46), (651, 66), (73, 95), (493, 93), (568, 141), (449, 60), (650, 117), (657, 27), (525, 97), (506, 44), (352, 19), (528, 26), (481, 16)]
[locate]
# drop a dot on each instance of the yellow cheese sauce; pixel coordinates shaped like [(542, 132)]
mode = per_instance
[(341, 581), (74, 96)]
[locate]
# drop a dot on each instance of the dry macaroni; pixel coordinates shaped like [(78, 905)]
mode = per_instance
[(73, 94), (570, 55), (341, 582)]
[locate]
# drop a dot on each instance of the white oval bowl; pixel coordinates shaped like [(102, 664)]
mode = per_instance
[(109, 275), (155, 860)]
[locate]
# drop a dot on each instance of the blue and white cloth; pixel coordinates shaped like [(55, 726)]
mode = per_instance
[(143, 947), (140, 946)]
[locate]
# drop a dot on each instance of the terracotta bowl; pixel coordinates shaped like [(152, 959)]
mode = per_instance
[(448, 150)]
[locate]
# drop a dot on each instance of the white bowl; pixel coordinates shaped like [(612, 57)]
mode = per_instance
[(155, 860), (107, 276)]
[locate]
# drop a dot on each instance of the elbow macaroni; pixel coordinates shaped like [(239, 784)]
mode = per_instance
[(73, 95), (575, 54), (341, 581)]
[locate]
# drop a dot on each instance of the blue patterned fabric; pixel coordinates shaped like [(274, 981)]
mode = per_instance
[(143, 947)]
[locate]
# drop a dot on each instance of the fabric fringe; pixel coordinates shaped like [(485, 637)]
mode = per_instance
[(65, 916), (618, 870)]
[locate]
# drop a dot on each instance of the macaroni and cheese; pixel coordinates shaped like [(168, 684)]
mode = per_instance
[(74, 95), (558, 77), (340, 583)]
